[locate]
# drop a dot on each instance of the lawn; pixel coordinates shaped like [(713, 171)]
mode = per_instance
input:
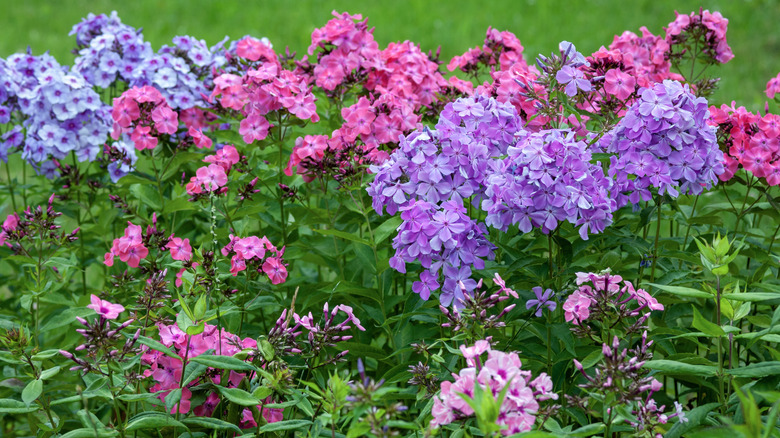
[(456, 26)]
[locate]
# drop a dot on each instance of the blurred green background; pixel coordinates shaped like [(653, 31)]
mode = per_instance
[(455, 26)]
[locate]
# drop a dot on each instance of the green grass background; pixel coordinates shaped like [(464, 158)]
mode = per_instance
[(754, 32)]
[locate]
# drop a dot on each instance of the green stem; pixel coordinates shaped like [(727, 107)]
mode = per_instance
[(10, 186), (659, 204)]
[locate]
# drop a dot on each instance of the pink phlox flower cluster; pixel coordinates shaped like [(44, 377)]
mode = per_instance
[(514, 84), (714, 26), (499, 48), (104, 308), (129, 248), (645, 57), (258, 254), (348, 50), (605, 296), (368, 124), (10, 224), (214, 177), (264, 89), (498, 371), (166, 371), (751, 141), (144, 114), (406, 72)]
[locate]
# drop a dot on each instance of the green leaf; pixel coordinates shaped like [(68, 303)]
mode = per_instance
[(284, 425), (223, 362), (346, 236), (682, 291), (211, 423), (705, 326), (86, 432), (152, 420), (675, 367), (238, 396), (32, 391), (752, 296), (756, 370), (158, 346), (387, 228), (590, 429), (51, 372), (11, 406)]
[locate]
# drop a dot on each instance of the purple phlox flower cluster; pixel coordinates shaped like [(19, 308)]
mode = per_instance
[(450, 162), (445, 241), (499, 370), (620, 373), (664, 141), (542, 300), (606, 298), (109, 50), (473, 309), (429, 178), (60, 112), (327, 333), (547, 178)]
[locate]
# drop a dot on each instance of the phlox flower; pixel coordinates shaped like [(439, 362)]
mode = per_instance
[(180, 249), (104, 308)]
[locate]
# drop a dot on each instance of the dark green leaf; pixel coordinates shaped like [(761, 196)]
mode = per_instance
[(284, 425)]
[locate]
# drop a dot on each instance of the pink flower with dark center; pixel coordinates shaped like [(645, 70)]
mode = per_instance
[(180, 248), (104, 308)]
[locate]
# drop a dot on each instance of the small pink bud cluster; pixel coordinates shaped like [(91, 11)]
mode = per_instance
[(714, 27), (327, 333), (129, 248), (144, 114), (502, 48), (214, 177), (501, 370), (601, 297), (258, 254)]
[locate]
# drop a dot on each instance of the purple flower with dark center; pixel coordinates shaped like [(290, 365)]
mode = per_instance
[(543, 299), (574, 80)]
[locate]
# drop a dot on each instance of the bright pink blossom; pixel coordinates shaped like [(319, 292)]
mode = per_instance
[(104, 308)]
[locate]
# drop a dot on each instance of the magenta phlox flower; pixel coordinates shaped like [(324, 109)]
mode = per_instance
[(104, 308)]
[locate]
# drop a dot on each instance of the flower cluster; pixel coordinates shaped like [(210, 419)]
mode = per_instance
[(327, 333), (129, 248), (258, 254), (709, 28), (213, 177), (621, 374), (472, 313), (750, 140), (32, 225), (645, 57), (58, 110), (500, 48), (109, 49), (607, 299), (348, 51), (500, 372), (102, 342), (144, 114), (547, 178), (167, 371), (262, 90), (663, 142)]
